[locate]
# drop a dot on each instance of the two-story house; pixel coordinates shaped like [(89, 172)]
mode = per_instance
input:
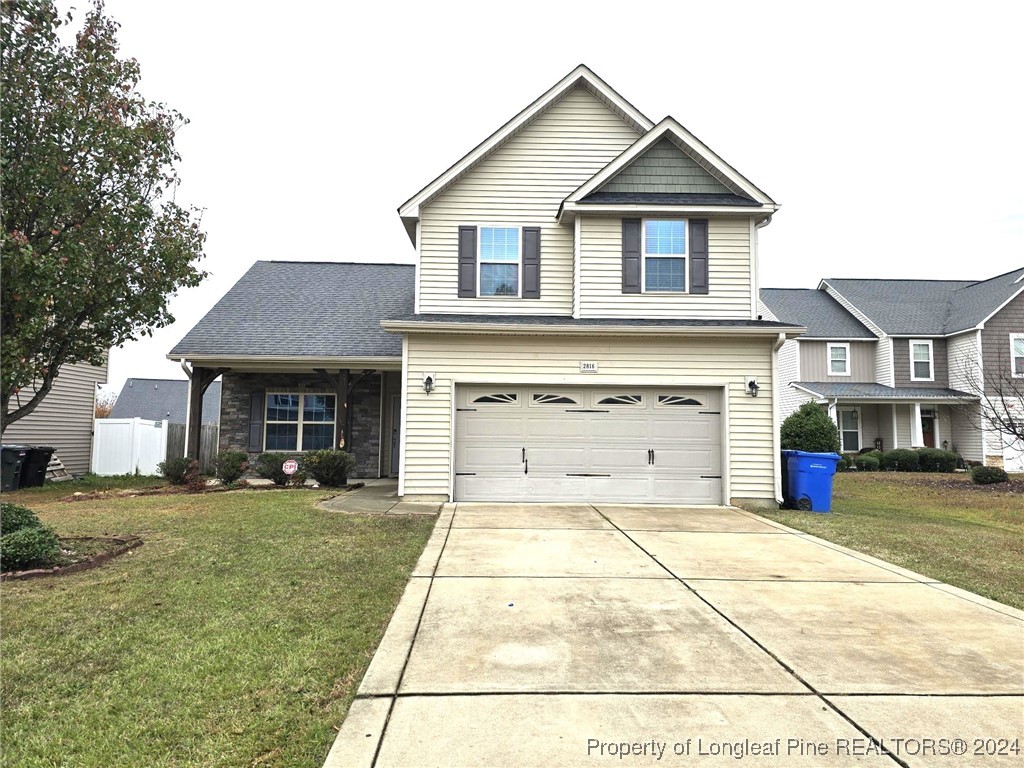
[(581, 323), (908, 363)]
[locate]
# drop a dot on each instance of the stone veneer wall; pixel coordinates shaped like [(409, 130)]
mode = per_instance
[(237, 388)]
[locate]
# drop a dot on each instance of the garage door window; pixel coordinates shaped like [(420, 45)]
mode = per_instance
[(622, 400), (551, 398), (677, 400), (497, 398)]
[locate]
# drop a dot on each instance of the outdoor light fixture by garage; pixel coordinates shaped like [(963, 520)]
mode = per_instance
[(752, 386), (428, 382)]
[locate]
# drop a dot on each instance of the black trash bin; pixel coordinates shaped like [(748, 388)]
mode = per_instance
[(12, 457), (33, 470)]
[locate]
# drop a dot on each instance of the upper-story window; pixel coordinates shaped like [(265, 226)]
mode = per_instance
[(839, 359), (922, 367), (500, 260), (1017, 354), (664, 255)]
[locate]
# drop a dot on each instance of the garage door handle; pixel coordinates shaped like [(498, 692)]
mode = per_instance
[(526, 467), (524, 455), (650, 456)]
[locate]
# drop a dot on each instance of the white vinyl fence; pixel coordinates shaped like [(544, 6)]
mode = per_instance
[(127, 446)]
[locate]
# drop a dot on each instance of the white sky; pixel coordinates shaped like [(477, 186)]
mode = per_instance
[(890, 133)]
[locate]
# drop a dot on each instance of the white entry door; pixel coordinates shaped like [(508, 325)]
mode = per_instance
[(624, 444)]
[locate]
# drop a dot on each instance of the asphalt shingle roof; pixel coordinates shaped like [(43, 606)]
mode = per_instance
[(823, 316), (315, 309), (871, 391), (668, 198), (158, 399), (927, 307)]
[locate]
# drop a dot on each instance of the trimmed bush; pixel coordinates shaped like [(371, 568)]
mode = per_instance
[(175, 469), (231, 465), (268, 465), (989, 475), (329, 467), (936, 460), (844, 464), (900, 460), (28, 548), (810, 429), (14, 517), (867, 463)]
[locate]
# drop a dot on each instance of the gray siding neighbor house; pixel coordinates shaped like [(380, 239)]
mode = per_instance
[(64, 418), (908, 363)]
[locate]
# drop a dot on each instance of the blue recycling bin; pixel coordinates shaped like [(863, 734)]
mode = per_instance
[(808, 480)]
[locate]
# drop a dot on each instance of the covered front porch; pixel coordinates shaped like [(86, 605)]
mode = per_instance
[(900, 417)]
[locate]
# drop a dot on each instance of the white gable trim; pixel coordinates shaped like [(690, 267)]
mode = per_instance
[(669, 126), (411, 207)]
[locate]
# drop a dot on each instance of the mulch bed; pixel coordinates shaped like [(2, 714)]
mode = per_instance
[(170, 490), (117, 545), (954, 482)]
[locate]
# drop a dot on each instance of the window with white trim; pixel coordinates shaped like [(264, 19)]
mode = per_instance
[(664, 250), (849, 429), (500, 260), (299, 421), (1017, 354), (922, 366), (838, 359)]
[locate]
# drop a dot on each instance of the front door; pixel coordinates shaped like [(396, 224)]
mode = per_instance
[(928, 431), (396, 432)]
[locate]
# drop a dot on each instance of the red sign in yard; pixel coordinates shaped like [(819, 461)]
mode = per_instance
[(290, 467)]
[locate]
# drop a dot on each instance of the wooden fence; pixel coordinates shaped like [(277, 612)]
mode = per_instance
[(208, 439)]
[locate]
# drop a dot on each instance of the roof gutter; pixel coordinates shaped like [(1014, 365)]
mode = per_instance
[(533, 329)]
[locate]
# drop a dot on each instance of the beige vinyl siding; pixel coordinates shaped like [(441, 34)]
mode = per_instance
[(901, 363), (522, 183), (814, 363), (790, 398), (965, 437), (639, 361), (995, 344), (729, 274), (64, 418), (883, 362), (962, 360), (904, 414)]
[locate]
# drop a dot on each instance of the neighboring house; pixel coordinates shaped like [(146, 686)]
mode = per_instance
[(581, 324), (163, 400), (907, 363), (65, 416)]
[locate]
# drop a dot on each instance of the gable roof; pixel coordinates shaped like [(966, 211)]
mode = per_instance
[(823, 316), (158, 399), (305, 309), (580, 76), (669, 129), (928, 307)]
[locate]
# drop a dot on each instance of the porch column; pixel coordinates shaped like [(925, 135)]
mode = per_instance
[(833, 413), (195, 412), (916, 437), (341, 411)]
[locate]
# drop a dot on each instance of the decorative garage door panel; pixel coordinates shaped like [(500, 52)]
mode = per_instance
[(596, 444)]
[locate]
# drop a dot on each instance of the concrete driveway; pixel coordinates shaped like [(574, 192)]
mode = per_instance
[(574, 635)]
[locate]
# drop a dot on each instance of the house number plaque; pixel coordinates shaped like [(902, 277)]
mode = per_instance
[(588, 367)]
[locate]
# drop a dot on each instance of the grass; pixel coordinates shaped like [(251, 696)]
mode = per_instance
[(235, 637), (942, 526)]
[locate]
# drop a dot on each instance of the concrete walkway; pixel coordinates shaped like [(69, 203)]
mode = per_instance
[(378, 497), (572, 635)]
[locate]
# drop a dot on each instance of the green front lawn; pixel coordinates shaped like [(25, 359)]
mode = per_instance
[(942, 526), (235, 636)]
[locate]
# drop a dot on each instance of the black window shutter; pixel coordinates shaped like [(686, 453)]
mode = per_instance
[(631, 255), (467, 262), (699, 256), (256, 423), (531, 262)]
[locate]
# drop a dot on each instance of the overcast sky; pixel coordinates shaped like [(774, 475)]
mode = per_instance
[(890, 133)]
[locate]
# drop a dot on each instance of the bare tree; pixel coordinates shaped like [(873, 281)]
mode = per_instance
[(994, 398)]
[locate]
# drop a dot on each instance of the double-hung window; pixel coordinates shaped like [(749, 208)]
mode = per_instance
[(664, 255), (921, 362), (1017, 355), (299, 422), (500, 260), (838, 359)]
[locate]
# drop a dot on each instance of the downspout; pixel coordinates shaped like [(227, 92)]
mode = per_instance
[(776, 435), (188, 403)]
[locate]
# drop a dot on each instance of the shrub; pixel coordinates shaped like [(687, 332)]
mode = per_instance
[(231, 465), (936, 460), (175, 469), (195, 482), (844, 464), (868, 463), (989, 475), (268, 465), (810, 429), (28, 548), (329, 467), (900, 460), (14, 517), (873, 453)]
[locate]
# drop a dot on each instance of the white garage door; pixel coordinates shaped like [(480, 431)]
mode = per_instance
[(596, 444), (1013, 457)]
